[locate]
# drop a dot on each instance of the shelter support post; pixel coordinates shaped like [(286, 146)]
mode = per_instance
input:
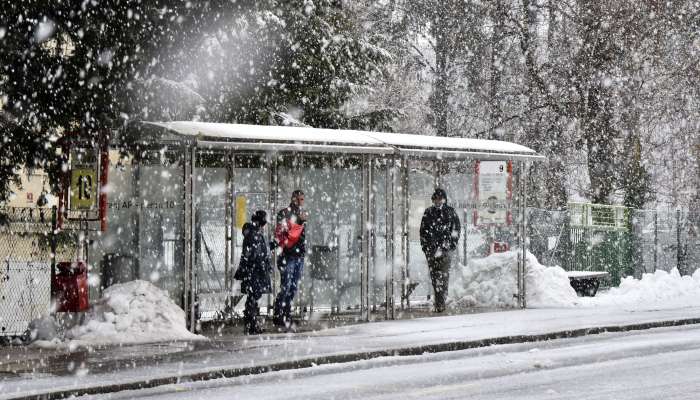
[(389, 234), (405, 276), (189, 237), (230, 246), (272, 207), (656, 239), (522, 265), (366, 241)]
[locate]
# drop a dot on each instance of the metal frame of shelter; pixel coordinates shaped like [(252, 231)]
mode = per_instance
[(394, 150)]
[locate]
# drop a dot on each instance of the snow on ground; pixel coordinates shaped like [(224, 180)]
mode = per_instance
[(107, 364), (492, 281), (659, 363), (127, 313)]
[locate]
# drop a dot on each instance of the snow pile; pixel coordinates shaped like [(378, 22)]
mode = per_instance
[(548, 286), (492, 282), (44, 328), (660, 289), (132, 312)]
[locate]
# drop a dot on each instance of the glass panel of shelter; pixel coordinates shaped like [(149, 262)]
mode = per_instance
[(458, 180), (333, 199), (422, 179), (251, 180), (145, 213)]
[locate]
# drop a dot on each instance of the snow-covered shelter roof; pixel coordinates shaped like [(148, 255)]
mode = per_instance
[(306, 139)]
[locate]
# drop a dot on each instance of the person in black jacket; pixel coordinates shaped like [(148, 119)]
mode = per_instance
[(254, 269), (439, 235)]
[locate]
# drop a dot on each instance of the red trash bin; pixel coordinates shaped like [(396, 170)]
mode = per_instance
[(70, 287)]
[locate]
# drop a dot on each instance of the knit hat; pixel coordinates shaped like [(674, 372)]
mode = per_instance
[(439, 194), (259, 217)]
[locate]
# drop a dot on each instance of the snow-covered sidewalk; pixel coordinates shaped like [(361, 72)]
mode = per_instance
[(126, 366)]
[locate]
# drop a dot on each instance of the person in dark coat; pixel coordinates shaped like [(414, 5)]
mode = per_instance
[(439, 234), (290, 240), (254, 269)]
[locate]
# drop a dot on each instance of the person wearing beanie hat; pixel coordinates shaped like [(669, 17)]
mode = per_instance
[(439, 234), (254, 270)]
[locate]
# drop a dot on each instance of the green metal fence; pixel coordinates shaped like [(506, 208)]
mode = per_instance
[(618, 240)]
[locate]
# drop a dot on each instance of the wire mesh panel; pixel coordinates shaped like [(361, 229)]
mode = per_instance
[(644, 241), (25, 272), (25, 269), (549, 235), (211, 244), (666, 240), (690, 242), (210, 258)]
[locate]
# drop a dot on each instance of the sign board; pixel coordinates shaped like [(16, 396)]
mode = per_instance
[(493, 191), (83, 189), (84, 182), (241, 211)]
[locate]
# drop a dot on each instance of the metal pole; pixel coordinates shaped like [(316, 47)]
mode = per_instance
[(364, 262), (372, 218), (54, 232), (189, 236), (656, 239), (405, 275), (276, 279), (678, 241), (389, 232), (228, 217), (273, 209), (193, 271), (523, 210), (186, 236)]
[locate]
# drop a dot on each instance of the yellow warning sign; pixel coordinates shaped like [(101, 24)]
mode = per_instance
[(241, 211), (83, 189)]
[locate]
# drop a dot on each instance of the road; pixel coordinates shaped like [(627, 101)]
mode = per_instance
[(654, 364)]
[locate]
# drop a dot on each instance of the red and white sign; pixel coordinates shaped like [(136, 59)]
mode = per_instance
[(493, 185)]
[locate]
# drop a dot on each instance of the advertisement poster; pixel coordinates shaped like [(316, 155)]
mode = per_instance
[(493, 192), (246, 203)]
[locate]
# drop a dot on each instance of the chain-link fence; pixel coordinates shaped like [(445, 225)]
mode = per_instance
[(617, 240), (212, 277), (26, 236), (666, 239)]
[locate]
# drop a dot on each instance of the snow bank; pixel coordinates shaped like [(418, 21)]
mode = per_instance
[(492, 282), (127, 313), (660, 289), (133, 312)]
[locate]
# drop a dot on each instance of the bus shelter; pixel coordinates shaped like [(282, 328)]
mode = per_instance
[(177, 205)]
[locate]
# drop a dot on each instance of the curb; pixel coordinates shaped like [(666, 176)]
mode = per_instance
[(344, 358)]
